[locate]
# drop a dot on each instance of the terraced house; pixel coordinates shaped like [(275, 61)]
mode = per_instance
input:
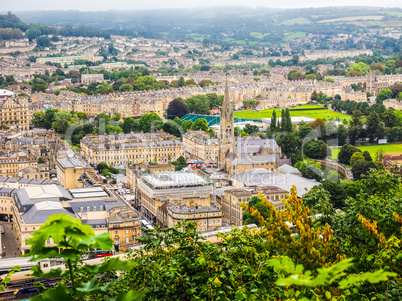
[(122, 149)]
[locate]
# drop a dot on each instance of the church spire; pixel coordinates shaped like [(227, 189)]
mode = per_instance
[(226, 142)]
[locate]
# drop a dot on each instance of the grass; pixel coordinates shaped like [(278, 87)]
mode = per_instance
[(390, 149), (259, 35), (327, 114), (294, 35), (393, 13), (357, 18), (300, 20)]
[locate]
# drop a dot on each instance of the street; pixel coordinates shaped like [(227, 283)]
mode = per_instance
[(8, 241)]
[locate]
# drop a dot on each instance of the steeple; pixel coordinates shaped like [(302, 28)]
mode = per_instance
[(226, 141)]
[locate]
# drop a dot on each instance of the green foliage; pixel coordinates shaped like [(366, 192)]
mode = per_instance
[(74, 239), (150, 122), (180, 163), (346, 153)]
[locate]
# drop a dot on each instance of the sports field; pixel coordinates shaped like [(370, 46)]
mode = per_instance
[(323, 114), (390, 149)]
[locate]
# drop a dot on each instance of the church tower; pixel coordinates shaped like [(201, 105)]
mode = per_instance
[(226, 141)]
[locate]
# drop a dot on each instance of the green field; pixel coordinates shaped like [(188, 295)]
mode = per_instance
[(393, 13), (392, 149), (259, 35), (294, 35), (327, 114), (357, 18), (300, 20)]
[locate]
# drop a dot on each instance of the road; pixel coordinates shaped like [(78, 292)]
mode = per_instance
[(8, 241)]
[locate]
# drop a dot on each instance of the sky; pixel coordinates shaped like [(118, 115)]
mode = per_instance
[(94, 5)]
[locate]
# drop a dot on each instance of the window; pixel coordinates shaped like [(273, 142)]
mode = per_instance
[(88, 208), (200, 223), (116, 232), (205, 223), (127, 239), (94, 208), (214, 222), (219, 221), (126, 231)]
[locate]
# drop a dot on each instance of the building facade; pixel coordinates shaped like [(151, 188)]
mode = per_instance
[(230, 201), (123, 149), (198, 145), (14, 112)]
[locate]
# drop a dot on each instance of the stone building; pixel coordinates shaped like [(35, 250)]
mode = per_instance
[(198, 145), (184, 190), (32, 207), (231, 199), (123, 149), (14, 112)]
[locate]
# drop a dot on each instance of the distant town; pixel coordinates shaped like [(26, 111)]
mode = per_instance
[(131, 134)]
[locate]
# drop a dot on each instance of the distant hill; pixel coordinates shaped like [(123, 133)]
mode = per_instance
[(241, 25)]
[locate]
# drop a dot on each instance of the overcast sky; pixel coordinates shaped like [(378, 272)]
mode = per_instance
[(17, 5)]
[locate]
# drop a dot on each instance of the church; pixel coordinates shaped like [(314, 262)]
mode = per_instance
[(236, 155)]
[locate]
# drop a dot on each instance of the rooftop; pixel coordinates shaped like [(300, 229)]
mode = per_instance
[(178, 178)]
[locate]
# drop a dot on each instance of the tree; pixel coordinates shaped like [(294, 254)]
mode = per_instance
[(289, 143), (38, 119), (176, 108), (390, 118), (272, 126), (295, 74), (172, 127), (116, 117), (146, 83), (186, 125), (360, 67), (346, 153), (374, 127), (180, 163), (357, 158), (39, 85), (316, 149), (361, 168), (200, 124), (237, 131), (101, 166), (126, 88), (251, 129), (384, 94), (251, 103), (182, 82), (129, 125), (150, 122), (61, 121), (43, 41), (342, 135), (41, 160), (314, 95), (367, 156)]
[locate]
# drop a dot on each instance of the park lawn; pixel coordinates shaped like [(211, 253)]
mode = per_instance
[(294, 35), (327, 114), (391, 149)]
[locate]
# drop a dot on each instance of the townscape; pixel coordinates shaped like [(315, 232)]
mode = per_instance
[(200, 166)]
